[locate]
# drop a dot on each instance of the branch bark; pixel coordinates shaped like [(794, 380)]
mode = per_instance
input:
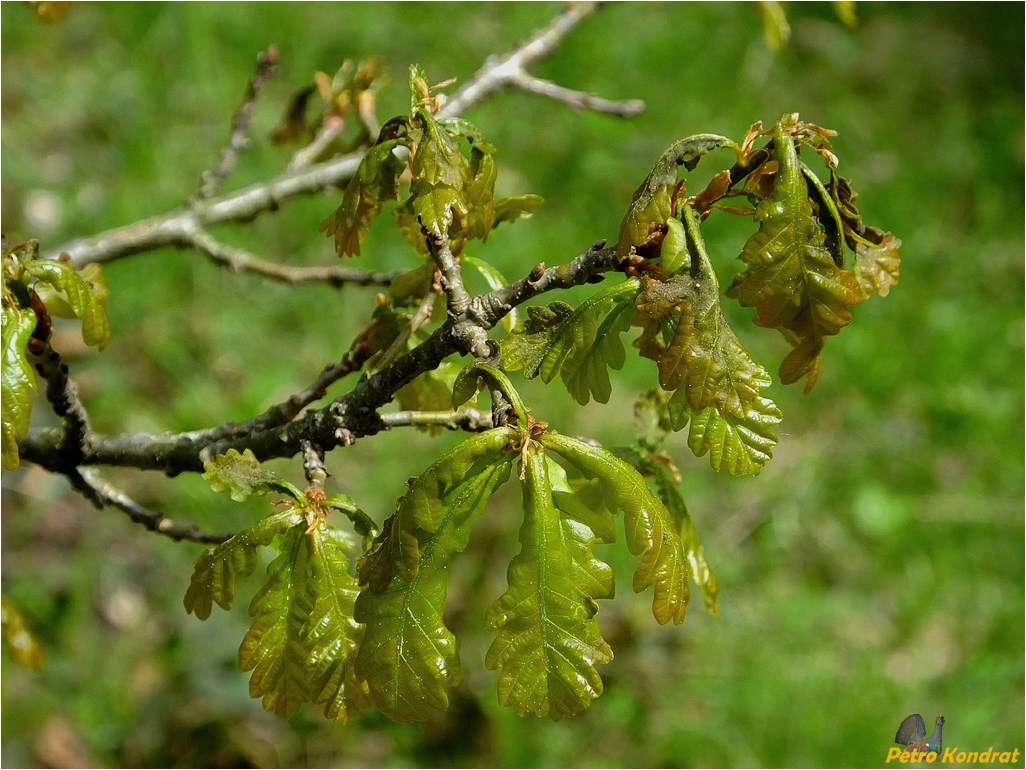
[(351, 416)]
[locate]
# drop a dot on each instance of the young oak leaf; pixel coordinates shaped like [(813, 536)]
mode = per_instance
[(711, 372), (17, 379), (274, 648), (652, 202), (597, 349), (791, 279), (84, 298), (408, 656), (241, 475), (420, 512), (700, 571), (586, 520), (581, 343), (547, 642), (738, 445), (877, 263), (649, 528), (375, 182), (214, 574), (541, 344), (331, 634)]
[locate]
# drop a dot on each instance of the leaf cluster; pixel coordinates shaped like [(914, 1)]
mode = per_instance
[(450, 171), (302, 641), (321, 635), (34, 289), (796, 279)]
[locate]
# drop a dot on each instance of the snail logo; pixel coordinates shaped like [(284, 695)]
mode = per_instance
[(912, 733)]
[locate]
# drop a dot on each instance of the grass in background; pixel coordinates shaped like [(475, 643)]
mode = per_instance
[(874, 569)]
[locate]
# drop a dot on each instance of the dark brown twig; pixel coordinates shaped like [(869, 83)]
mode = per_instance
[(102, 493)]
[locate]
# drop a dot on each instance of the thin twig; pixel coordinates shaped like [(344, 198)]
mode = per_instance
[(579, 100), (102, 493), (467, 419), (326, 134), (173, 228), (240, 260), (510, 69), (267, 66)]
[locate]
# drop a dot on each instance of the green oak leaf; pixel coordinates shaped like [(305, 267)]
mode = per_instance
[(216, 570), (738, 445), (241, 475), (700, 572), (273, 647), (513, 207), (408, 656), (651, 533), (547, 642), (78, 293), (18, 380), (877, 262), (597, 349), (581, 343), (375, 182), (331, 636), (652, 202)]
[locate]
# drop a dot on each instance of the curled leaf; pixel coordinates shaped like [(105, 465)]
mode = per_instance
[(792, 280), (18, 379), (649, 527), (651, 204), (84, 298)]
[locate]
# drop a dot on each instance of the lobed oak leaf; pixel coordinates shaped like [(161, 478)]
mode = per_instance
[(18, 380), (547, 642)]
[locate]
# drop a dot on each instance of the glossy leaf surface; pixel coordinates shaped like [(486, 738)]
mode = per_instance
[(79, 295), (18, 380), (302, 640), (705, 363), (737, 445), (547, 642), (216, 570), (649, 528), (408, 656), (652, 202)]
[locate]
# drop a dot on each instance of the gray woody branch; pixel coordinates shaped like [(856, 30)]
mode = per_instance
[(340, 423)]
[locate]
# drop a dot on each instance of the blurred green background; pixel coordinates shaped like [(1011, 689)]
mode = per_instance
[(873, 570)]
